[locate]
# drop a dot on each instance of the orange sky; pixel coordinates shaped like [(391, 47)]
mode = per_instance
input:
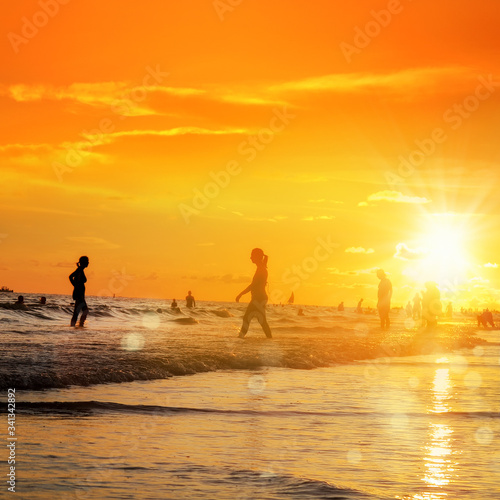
[(116, 114)]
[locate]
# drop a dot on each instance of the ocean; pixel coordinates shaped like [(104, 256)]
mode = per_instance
[(148, 403)]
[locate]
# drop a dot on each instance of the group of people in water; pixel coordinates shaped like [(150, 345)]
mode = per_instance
[(190, 302), (255, 309), (427, 307)]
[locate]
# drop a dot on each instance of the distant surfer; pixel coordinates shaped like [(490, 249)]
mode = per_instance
[(173, 305), (78, 280), (257, 305), (384, 298), (340, 307), (190, 302)]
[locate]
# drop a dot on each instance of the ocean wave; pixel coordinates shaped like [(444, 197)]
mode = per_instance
[(91, 407), (128, 339)]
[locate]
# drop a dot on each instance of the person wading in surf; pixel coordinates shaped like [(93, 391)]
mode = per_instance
[(257, 306), (78, 280)]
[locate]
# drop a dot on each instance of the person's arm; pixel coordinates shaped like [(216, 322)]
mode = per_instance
[(73, 276), (194, 302), (246, 290)]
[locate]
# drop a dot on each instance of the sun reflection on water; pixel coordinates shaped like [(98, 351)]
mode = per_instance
[(438, 459)]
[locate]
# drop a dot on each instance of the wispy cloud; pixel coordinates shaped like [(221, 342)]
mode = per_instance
[(392, 197), (93, 241), (318, 217), (177, 131), (121, 97), (359, 250), (399, 81), (489, 264), (404, 252)]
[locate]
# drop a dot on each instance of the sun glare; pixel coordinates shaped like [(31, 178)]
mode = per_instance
[(443, 254)]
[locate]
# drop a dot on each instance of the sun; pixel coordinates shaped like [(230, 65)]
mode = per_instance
[(443, 253)]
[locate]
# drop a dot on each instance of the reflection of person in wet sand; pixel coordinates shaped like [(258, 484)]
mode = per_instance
[(78, 280), (257, 306), (384, 299)]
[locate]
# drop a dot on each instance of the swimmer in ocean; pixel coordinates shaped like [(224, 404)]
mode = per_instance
[(257, 305), (190, 302), (78, 280)]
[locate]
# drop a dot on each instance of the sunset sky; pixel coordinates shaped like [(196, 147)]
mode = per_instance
[(167, 139)]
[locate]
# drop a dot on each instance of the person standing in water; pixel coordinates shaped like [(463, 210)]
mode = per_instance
[(78, 280), (190, 302), (384, 299), (257, 288)]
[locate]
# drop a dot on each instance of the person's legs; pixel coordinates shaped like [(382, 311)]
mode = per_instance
[(79, 303), (85, 311), (259, 310), (247, 317), (381, 313), (261, 317)]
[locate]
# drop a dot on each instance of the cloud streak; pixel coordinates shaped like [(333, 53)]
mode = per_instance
[(392, 197)]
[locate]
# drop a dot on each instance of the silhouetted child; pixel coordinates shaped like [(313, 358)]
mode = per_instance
[(78, 280), (257, 287)]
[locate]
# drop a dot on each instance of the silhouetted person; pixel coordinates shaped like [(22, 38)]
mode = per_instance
[(384, 299), (18, 304), (359, 309), (43, 301), (409, 310), (190, 302), (78, 280), (301, 312), (173, 305), (485, 318), (449, 310), (417, 306), (431, 304), (340, 307), (257, 305)]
